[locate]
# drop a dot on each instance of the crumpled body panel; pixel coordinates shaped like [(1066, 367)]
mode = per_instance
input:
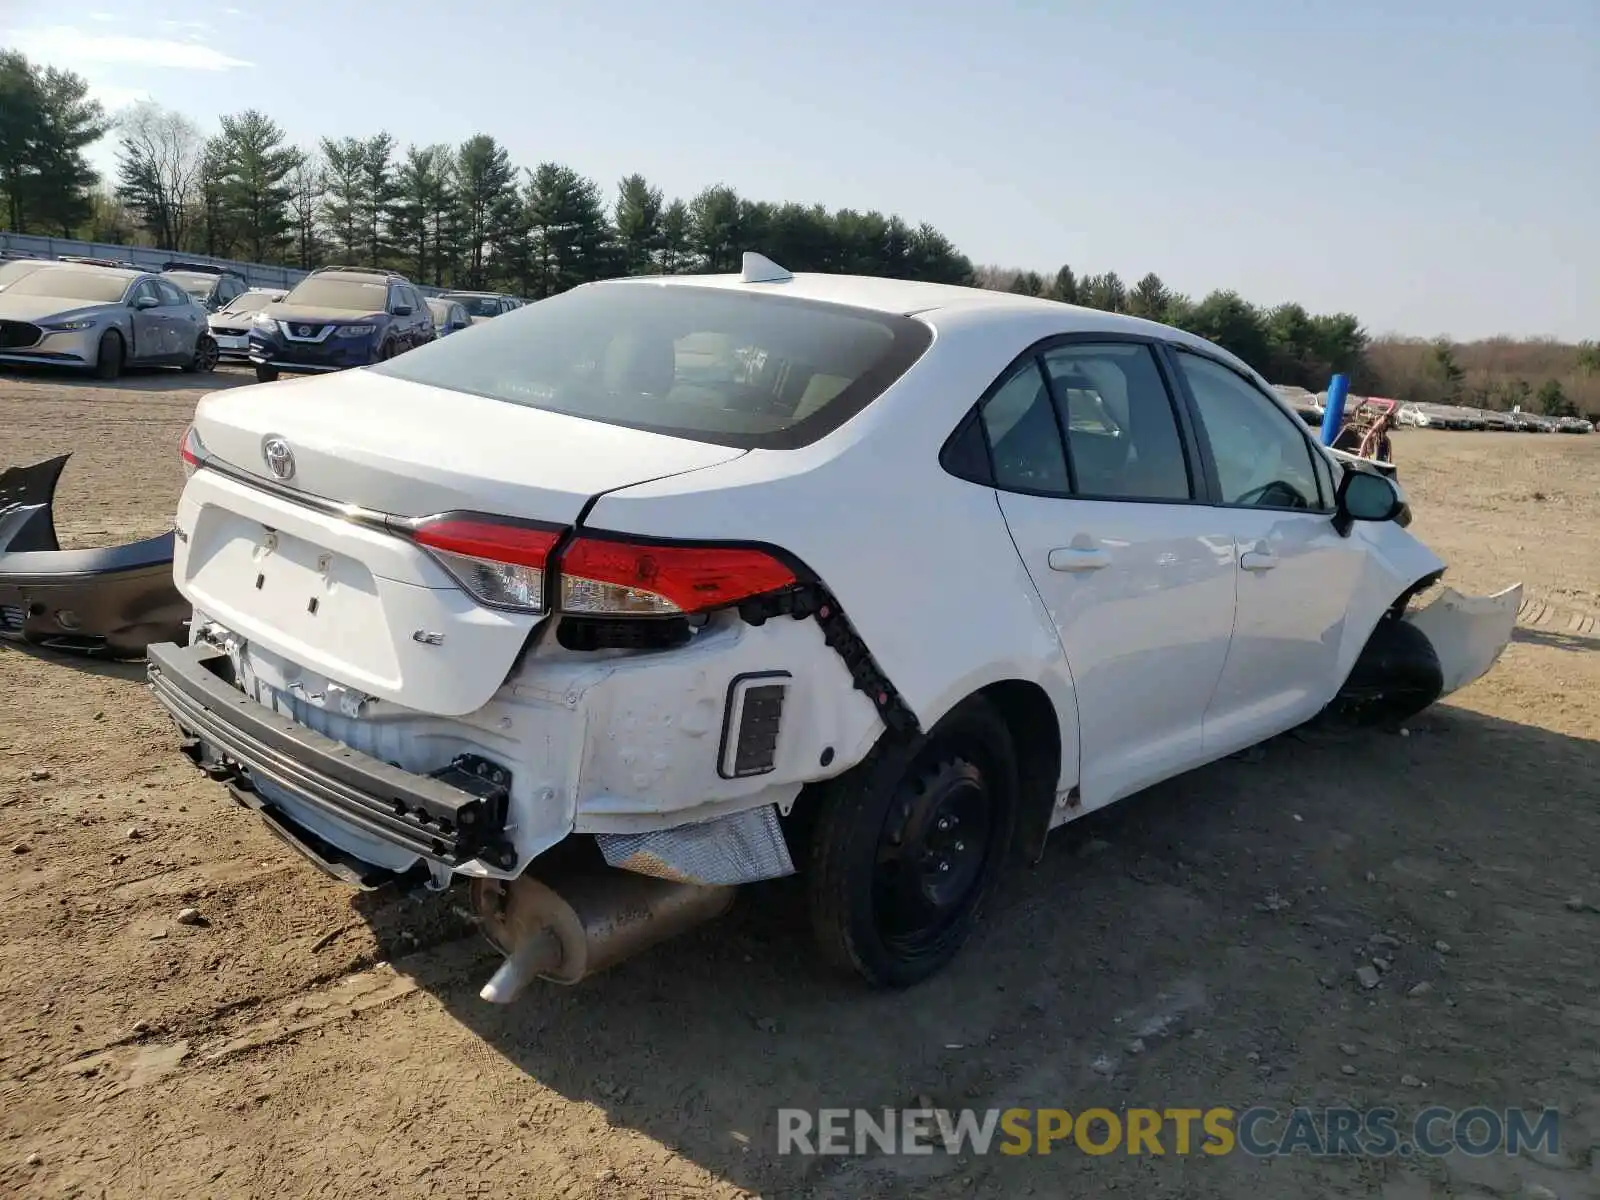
[(112, 600), (1468, 633)]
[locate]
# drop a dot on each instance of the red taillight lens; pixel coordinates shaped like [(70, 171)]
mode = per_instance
[(497, 562), (618, 578), (192, 451)]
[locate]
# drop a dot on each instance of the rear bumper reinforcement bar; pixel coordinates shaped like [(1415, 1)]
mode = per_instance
[(426, 815)]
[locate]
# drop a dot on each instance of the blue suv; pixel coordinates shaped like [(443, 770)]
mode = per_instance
[(339, 317)]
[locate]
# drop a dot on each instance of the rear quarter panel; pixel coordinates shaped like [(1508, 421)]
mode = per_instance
[(921, 562)]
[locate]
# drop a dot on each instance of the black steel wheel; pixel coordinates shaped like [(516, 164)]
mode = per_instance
[(908, 846)]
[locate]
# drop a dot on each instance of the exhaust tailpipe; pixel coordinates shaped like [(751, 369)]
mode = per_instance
[(596, 919)]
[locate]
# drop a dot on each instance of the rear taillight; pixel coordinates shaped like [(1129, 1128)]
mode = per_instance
[(511, 564), (192, 451), (500, 563), (602, 577)]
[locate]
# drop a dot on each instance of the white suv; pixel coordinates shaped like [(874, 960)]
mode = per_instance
[(662, 586)]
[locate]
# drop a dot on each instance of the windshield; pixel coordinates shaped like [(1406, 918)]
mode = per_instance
[(67, 284), (440, 311), (479, 306), (248, 302), (718, 366), (198, 286), (355, 294)]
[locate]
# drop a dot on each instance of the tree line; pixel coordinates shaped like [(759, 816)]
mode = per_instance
[(465, 216)]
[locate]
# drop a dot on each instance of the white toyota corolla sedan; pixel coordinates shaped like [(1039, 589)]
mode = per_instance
[(662, 586)]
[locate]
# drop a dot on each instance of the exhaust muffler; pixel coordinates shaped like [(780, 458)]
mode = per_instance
[(597, 919)]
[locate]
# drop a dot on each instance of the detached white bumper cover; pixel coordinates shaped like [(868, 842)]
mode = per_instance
[(1469, 633)]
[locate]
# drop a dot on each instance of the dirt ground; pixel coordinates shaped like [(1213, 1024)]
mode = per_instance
[(305, 1041)]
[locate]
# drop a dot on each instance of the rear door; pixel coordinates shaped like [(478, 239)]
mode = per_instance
[(180, 320), (1094, 466), (1296, 575)]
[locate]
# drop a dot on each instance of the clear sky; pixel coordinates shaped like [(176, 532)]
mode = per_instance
[(1432, 166)]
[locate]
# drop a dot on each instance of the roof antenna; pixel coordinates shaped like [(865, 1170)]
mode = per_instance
[(758, 268)]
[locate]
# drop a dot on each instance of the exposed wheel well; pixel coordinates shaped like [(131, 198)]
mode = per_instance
[(1036, 734), (1031, 720)]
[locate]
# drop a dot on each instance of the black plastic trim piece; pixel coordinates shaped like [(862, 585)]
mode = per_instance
[(727, 720), (815, 600), (426, 815)]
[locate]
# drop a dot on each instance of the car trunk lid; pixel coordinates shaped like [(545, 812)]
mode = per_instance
[(303, 561)]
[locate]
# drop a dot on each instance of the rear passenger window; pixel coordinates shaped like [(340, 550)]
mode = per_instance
[(1024, 441), (1121, 429)]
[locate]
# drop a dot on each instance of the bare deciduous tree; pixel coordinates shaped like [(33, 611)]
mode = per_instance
[(159, 157)]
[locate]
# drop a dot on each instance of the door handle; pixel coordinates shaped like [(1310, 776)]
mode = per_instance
[(1078, 558), (1258, 560)]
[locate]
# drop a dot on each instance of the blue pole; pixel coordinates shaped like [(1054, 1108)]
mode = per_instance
[(1333, 414)]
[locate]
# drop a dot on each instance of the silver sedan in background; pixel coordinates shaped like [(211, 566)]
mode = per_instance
[(103, 318), (230, 325)]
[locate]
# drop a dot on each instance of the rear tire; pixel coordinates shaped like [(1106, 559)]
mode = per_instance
[(908, 845), (108, 363), (266, 373), (205, 356)]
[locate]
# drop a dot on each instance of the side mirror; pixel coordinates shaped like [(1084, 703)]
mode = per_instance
[(1363, 496), (401, 310), (146, 302)]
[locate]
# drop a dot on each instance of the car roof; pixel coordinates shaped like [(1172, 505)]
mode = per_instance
[(464, 292), (357, 276), (128, 273)]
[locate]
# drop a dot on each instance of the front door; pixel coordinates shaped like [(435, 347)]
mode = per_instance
[(149, 326), (1137, 574), (1296, 575)]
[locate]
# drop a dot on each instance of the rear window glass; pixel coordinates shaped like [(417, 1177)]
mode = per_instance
[(754, 371), (67, 284), (480, 306), (198, 286)]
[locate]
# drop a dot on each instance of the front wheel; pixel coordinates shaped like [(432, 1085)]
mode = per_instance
[(108, 364), (908, 846)]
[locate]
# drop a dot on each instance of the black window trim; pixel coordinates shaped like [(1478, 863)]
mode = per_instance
[(1171, 351), (1202, 476)]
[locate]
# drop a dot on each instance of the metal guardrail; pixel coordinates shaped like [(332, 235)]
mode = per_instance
[(149, 258)]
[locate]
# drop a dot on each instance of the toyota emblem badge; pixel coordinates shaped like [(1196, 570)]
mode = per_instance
[(278, 456)]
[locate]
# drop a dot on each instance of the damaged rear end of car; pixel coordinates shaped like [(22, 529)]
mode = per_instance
[(415, 658)]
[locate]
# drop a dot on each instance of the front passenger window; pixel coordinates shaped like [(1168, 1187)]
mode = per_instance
[(1024, 440), (1263, 458)]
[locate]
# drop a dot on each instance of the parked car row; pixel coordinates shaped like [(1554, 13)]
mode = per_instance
[(1452, 416), (336, 317)]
